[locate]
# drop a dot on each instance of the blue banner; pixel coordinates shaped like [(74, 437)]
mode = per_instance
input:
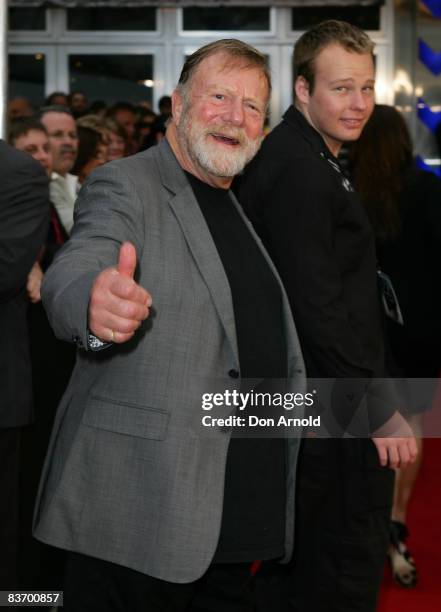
[(436, 170), (430, 58), (434, 7), (427, 116)]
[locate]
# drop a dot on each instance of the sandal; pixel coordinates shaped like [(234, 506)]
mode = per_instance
[(402, 563)]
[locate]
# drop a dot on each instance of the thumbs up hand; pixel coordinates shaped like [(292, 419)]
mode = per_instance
[(127, 260), (118, 305)]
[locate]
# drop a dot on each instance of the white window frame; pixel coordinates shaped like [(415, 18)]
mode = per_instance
[(50, 55), (29, 34), (169, 44), (117, 36), (226, 33), (156, 51)]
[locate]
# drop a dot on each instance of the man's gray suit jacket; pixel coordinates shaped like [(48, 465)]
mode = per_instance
[(130, 477)]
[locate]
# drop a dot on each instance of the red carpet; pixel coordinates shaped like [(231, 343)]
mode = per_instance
[(424, 542)]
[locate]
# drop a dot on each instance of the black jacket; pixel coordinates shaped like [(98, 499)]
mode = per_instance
[(24, 217), (320, 239)]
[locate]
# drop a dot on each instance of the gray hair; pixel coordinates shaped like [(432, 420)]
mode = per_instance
[(236, 51)]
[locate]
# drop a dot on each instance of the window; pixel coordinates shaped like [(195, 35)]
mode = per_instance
[(113, 78), (226, 18), (27, 19), (365, 17), (110, 18), (27, 77)]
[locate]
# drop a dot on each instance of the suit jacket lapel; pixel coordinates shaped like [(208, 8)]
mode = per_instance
[(199, 240)]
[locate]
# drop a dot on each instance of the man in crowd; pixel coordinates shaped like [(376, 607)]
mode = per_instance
[(165, 110), (57, 98), (29, 135), (63, 138), (78, 103), (156, 513), (19, 107), (319, 237), (24, 217)]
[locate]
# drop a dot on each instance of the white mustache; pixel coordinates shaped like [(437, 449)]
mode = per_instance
[(233, 134)]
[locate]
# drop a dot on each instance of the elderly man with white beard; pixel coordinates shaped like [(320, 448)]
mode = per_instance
[(156, 513)]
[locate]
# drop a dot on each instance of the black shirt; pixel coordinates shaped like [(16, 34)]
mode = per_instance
[(253, 518)]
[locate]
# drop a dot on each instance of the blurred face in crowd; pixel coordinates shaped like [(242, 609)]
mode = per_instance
[(343, 96), (219, 119), (20, 107), (98, 159), (36, 143), (59, 100), (126, 119), (63, 138), (116, 146), (78, 103)]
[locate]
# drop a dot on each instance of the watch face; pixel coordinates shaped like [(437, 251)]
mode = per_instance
[(94, 343)]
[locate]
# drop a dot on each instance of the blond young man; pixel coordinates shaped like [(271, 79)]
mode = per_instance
[(318, 235)]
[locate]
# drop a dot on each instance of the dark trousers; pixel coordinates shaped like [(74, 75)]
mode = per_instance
[(41, 566), (343, 511), (9, 506), (93, 585)]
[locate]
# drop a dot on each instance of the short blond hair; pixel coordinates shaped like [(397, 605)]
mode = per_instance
[(331, 32)]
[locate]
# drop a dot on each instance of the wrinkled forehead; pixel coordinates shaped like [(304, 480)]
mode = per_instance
[(221, 64)]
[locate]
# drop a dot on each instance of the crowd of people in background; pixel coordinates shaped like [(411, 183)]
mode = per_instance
[(71, 137), (105, 132)]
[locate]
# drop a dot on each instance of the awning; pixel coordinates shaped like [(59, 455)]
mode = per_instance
[(183, 3)]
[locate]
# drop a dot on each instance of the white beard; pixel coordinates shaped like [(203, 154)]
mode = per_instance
[(215, 158)]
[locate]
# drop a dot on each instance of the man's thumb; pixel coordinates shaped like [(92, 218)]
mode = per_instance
[(127, 260)]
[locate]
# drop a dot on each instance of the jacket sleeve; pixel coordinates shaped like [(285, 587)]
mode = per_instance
[(108, 212), (24, 219)]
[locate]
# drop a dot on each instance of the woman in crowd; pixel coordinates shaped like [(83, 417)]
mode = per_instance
[(404, 205), (117, 140), (92, 152)]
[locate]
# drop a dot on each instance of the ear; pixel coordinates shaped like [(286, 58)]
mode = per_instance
[(301, 88), (177, 106)]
